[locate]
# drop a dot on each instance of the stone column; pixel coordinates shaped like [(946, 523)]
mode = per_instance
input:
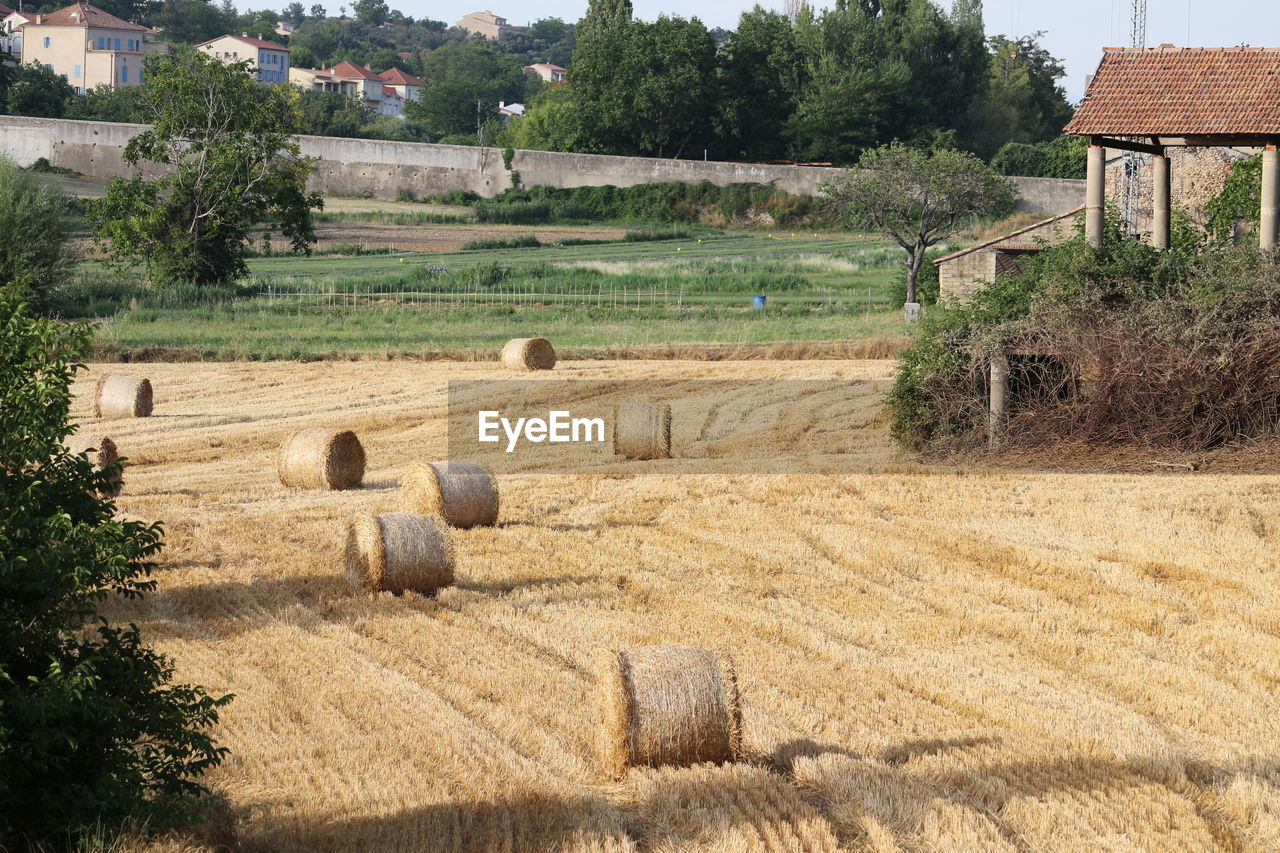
[(1095, 195), (1160, 206), (1269, 232), (999, 403)]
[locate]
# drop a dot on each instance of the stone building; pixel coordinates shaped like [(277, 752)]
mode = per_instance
[(1196, 177), (962, 273)]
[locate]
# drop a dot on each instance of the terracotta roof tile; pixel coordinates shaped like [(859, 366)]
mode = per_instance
[(399, 78), (351, 69), (84, 15), (1182, 92)]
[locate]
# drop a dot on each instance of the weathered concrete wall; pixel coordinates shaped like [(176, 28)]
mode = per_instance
[(381, 169)]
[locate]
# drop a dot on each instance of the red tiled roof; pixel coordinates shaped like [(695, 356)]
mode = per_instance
[(388, 92), (350, 69), (248, 40), (5, 10), (399, 78), (84, 16), (1182, 92)]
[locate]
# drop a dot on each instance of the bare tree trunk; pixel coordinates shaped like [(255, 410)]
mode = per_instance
[(913, 273)]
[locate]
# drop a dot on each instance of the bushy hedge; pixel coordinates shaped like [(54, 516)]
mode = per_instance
[(662, 202), (1122, 344)]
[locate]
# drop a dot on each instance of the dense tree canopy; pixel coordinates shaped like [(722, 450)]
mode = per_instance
[(233, 163)]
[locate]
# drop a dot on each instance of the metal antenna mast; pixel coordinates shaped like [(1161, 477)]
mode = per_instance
[(1130, 181)]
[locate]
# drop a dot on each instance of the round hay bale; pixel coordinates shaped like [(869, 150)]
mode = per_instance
[(642, 430), (463, 493), (667, 705), (319, 458), (399, 551), (122, 397), (103, 454), (529, 354)]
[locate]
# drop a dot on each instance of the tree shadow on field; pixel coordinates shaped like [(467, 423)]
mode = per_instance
[(527, 823), (898, 796)]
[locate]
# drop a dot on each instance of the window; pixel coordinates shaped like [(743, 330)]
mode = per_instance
[(48, 42), (124, 74), (117, 44), (102, 43), (77, 74)]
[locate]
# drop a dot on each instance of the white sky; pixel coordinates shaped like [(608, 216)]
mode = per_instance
[(1075, 30)]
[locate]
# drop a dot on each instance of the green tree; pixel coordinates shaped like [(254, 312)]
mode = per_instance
[(232, 163), (917, 198), (332, 114), (1063, 157), (35, 221), (34, 90), (295, 13), (192, 21), (1022, 99), (92, 729), (372, 13), (761, 76), (105, 102), (465, 82)]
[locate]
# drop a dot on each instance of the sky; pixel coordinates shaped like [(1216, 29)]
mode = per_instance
[(1075, 30)]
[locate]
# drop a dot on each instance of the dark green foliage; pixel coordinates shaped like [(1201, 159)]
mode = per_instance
[(107, 103), (333, 114), (33, 90), (1019, 101), (762, 74), (1239, 202), (524, 241), (92, 729), (662, 202), (34, 222), (465, 82), (234, 163), (1062, 157)]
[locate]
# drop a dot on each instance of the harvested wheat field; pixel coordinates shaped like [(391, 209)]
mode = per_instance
[(928, 658)]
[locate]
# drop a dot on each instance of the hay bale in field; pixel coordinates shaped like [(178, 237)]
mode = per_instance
[(103, 454), (667, 705), (463, 493), (319, 458), (399, 551), (122, 397), (642, 430), (529, 354)]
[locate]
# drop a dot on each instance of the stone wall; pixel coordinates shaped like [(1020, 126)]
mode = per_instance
[(1196, 175), (381, 169)]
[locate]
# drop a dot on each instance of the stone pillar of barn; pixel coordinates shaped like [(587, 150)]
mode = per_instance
[(999, 400), (1095, 194), (1269, 232), (1161, 212)]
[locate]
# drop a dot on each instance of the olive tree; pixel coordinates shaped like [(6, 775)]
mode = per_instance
[(918, 198), (225, 160)]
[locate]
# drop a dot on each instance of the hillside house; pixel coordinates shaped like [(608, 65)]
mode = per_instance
[(11, 31), (485, 23), (406, 86), (963, 273), (88, 46), (270, 61), (548, 72), (385, 94)]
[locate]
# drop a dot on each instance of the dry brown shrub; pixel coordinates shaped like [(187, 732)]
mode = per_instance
[(463, 493), (667, 705), (122, 397), (319, 458), (1113, 380), (529, 354), (398, 552), (642, 430)]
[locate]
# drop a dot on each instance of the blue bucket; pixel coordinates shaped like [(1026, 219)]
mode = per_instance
[(758, 302)]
